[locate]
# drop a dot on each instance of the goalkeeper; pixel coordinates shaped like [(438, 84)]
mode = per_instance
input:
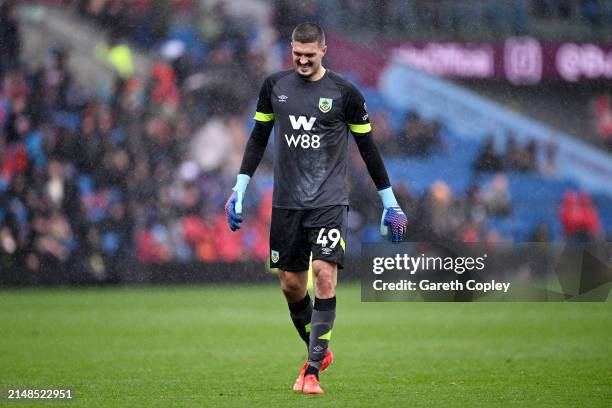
[(311, 110)]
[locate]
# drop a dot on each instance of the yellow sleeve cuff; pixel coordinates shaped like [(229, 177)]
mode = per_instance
[(263, 117), (365, 128)]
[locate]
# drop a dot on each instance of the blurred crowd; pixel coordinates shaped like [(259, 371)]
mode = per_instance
[(470, 20), (148, 20), (601, 112), (416, 138), (144, 21), (515, 157), (141, 168), (579, 217), (9, 34), (90, 180)]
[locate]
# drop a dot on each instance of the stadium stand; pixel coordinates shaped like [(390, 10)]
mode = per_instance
[(137, 168)]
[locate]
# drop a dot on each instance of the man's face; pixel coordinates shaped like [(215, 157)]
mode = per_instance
[(307, 58)]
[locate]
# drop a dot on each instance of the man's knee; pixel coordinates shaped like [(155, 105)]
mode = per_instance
[(325, 278), (292, 286)]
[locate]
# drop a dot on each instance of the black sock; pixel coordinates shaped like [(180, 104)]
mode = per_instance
[(323, 316), (301, 313), (312, 370)]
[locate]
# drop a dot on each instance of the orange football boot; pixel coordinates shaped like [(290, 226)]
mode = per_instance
[(311, 385), (299, 381)]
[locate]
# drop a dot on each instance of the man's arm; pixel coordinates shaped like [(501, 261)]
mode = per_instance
[(373, 160), (264, 121), (360, 127), (255, 147), (392, 215), (253, 153)]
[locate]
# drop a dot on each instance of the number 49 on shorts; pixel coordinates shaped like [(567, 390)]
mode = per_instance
[(332, 235)]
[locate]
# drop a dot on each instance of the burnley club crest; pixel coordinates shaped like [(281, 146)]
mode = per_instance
[(325, 104)]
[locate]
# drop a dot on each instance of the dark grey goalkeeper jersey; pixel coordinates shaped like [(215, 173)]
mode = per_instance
[(311, 123)]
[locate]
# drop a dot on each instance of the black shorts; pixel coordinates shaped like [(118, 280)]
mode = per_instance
[(295, 234)]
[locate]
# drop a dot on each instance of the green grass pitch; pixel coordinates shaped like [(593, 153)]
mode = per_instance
[(235, 346)]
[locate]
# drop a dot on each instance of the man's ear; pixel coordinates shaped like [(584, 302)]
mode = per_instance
[(324, 49)]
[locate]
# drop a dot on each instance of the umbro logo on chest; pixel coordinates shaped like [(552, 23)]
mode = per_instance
[(325, 104)]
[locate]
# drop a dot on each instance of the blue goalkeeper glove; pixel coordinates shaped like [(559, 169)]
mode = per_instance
[(392, 216), (233, 207)]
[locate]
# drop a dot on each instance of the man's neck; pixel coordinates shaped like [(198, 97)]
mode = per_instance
[(318, 75)]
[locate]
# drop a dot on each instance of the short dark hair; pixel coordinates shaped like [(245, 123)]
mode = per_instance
[(308, 33)]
